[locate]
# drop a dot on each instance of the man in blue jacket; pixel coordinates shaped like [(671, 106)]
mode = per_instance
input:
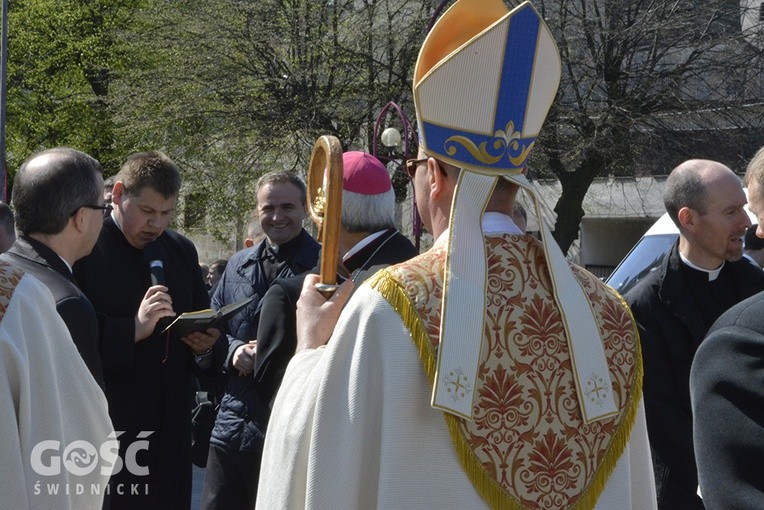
[(237, 440), (368, 241)]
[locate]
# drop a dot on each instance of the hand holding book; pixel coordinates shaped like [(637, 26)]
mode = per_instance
[(202, 320)]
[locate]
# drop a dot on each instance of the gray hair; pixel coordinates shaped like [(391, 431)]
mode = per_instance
[(368, 213)]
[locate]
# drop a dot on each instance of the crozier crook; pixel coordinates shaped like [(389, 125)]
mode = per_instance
[(325, 206)]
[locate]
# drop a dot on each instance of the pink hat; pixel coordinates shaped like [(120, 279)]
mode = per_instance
[(364, 174)]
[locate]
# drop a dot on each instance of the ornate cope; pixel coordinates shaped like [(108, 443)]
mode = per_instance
[(527, 447)]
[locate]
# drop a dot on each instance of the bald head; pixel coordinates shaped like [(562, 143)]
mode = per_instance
[(707, 202), (51, 185), (689, 184)]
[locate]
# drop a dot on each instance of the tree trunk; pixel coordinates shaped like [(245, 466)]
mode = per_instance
[(569, 207)]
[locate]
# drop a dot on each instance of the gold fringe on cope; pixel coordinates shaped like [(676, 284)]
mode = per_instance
[(490, 490), (394, 293)]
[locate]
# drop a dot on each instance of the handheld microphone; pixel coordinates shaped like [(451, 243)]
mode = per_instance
[(156, 268), (153, 253)]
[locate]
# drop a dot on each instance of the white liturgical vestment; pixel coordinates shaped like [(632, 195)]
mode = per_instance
[(352, 425), (53, 415)]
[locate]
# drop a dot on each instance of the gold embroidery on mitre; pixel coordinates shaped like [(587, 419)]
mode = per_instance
[(507, 141), (527, 446), (9, 279)]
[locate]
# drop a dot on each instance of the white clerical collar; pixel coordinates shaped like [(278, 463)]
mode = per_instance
[(498, 223), (494, 223), (360, 244), (116, 221), (713, 274), (67, 264)]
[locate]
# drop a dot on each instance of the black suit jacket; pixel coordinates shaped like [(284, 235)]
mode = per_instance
[(671, 328), (277, 331), (727, 388), (74, 308)]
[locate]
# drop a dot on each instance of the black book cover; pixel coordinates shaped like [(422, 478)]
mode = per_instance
[(201, 320)]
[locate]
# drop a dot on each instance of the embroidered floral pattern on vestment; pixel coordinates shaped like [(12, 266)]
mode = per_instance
[(527, 446), (9, 279)]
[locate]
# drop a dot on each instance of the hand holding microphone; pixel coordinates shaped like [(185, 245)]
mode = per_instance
[(155, 309)]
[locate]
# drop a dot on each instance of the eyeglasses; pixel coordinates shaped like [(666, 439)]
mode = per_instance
[(412, 164), (105, 209)]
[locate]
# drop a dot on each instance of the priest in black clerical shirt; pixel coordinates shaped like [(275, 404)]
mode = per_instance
[(149, 376), (674, 306)]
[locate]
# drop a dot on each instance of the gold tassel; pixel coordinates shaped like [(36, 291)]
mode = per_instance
[(394, 293)]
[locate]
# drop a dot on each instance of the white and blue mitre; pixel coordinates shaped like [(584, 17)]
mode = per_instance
[(483, 85)]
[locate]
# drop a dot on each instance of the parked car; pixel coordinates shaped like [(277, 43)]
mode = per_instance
[(647, 254)]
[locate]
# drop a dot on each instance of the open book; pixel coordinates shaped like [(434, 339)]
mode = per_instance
[(201, 320)]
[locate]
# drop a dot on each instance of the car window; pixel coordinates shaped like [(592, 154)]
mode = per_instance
[(645, 257)]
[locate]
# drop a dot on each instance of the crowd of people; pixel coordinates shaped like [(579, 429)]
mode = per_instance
[(485, 372)]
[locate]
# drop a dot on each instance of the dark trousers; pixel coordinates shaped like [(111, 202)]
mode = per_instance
[(230, 482), (167, 486)]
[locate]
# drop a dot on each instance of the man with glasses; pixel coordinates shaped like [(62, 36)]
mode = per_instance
[(149, 374), (57, 195)]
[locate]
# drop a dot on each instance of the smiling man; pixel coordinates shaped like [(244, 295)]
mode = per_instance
[(149, 376), (700, 278), (287, 250)]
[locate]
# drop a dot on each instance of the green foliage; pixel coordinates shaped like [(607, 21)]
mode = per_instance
[(233, 89), (62, 55), (230, 89)]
